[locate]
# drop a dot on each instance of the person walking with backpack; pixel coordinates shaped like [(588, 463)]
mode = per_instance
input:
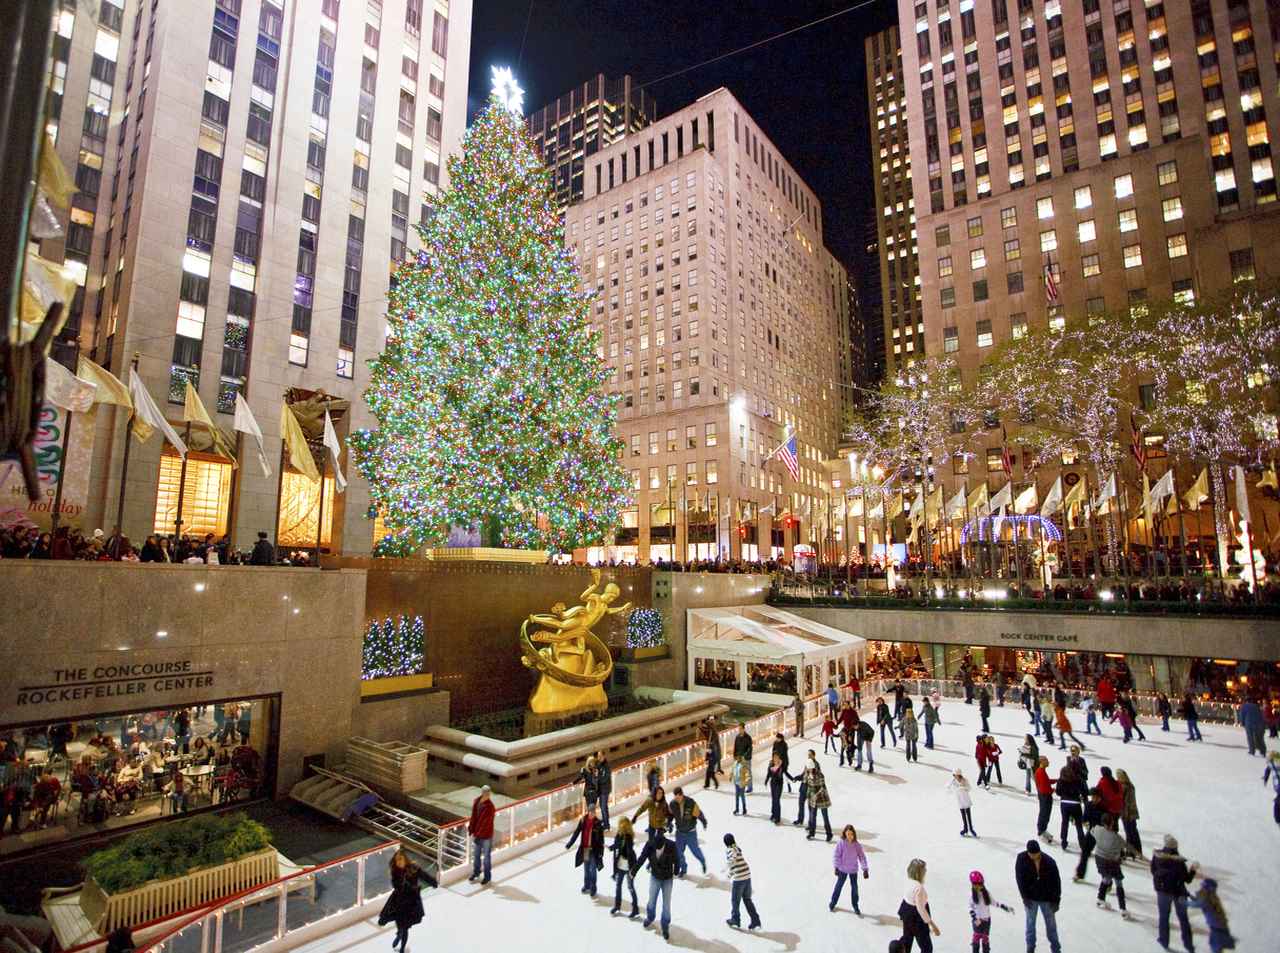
[(589, 836), (661, 856), (849, 856), (1041, 890), (624, 866), (819, 800), (1170, 874), (739, 874), (687, 816)]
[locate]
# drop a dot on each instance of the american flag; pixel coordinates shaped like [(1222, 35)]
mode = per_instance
[(1050, 283), (788, 454), (1006, 459)]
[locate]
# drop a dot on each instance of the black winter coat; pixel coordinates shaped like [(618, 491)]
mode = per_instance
[(624, 848), (1045, 885), (661, 855), (984, 703), (604, 778), (742, 745), (596, 846), (404, 906), (783, 752), (1170, 872)]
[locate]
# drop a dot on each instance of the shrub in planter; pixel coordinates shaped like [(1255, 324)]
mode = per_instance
[(174, 850)]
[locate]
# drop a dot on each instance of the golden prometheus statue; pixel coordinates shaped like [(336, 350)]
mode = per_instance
[(571, 661)]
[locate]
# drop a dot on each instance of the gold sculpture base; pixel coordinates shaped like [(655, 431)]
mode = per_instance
[(486, 554), (540, 723), (552, 697)]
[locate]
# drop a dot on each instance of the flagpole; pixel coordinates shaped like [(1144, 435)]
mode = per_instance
[(237, 472), (279, 493), (324, 465), (1017, 555), (1090, 535), (1122, 498), (124, 468), (968, 563), (182, 481), (1182, 535)]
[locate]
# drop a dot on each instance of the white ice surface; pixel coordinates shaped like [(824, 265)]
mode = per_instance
[(1209, 795)]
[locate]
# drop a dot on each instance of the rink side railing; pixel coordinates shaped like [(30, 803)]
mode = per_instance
[(325, 898)]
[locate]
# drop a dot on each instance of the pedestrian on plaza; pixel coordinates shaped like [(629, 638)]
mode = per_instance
[(885, 720), (849, 856), (829, 734), (743, 744), (1064, 727), (1090, 707), (1002, 686), (798, 705), (404, 906), (929, 715), (984, 709), (1215, 917), (1108, 852), (741, 777), (656, 811), (1192, 717), (480, 827), (1125, 700), (661, 856), (819, 800), (980, 756), (1110, 792), (604, 786), (917, 919), (739, 874), (1272, 772), (653, 777), (712, 776), (783, 754), (1250, 719), (687, 816), (1164, 708), (590, 781), (1044, 793), (1029, 758), (1170, 874), (980, 904), (1071, 797), (911, 735), (866, 739), (1041, 891), (833, 699), (775, 777), (589, 836), (264, 554), (1046, 715), (1129, 813), (959, 786), (624, 866)]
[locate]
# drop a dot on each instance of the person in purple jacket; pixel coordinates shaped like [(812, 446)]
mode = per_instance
[(848, 858)]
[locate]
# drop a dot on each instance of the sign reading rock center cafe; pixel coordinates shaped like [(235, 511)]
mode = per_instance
[(114, 680)]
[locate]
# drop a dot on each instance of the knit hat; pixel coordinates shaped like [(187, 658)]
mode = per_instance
[(1170, 842), (975, 877), (1033, 846)]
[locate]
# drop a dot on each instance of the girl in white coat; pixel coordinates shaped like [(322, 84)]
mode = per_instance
[(959, 785)]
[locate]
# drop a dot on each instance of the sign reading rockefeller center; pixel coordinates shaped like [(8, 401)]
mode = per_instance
[(118, 680)]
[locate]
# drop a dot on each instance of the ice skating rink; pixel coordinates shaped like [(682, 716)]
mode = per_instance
[(1209, 795)]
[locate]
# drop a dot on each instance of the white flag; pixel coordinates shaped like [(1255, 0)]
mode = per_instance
[(1026, 501), (335, 450), (1163, 487), (245, 422), (1053, 500), (145, 409), (955, 505), (1003, 498), (63, 389), (1242, 496), (1108, 490)]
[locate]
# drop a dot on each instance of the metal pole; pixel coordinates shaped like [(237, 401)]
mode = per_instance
[(56, 516), (124, 469), (324, 466), (182, 480), (279, 497), (237, 472)]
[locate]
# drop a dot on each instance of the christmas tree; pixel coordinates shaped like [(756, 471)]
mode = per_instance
[(489, 396), (393, 647)]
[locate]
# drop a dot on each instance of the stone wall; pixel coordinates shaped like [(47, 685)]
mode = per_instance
[(472, 612), (404, 717), (197, 634)]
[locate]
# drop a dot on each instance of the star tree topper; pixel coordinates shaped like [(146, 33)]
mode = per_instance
[(506, 90)]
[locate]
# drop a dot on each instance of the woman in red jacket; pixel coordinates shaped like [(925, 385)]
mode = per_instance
[(1111, 792)]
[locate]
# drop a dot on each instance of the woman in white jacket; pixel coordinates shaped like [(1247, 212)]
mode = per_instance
[(917, 920), (959, 786)]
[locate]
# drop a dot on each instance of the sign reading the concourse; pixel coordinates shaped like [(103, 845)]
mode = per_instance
[(116, 680)]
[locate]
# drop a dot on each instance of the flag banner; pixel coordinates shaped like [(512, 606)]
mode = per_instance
[(110, 389), (979, 503), (193, 411), (877, 511), (63, 389), (1146, 501), (789, 456), (147, 416), (1050, 283), (1269, 479), (245, 422), (955, 505), (1075, 496), (933, 505), (1199, 491), (296, 444), (1163, 487), (895, 506), (335, 450), (1027, 500), (1053, 500), (1242, 496), (1003, 497)]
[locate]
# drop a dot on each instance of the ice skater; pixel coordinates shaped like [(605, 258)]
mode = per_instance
[(589, 836), (980, 904), (739, 875), (884, 718), (1272, 772), (959, 786), (687, 816), (1108, 851), (1192, 717), (829, 734), (404, 906), (917, 919), (1071, 795), (1215, 917), (1164, 708), (849, 856), (1029, 758), (1044, 793), (911, 735), (784, 755), (1129, 814), (984, 709), (661, 855), (624, 866), (819, 799), (775, 777), (1090, 707), (866, 739), (1170, 875), (929, 715), (656, 810), (741, 777), (1064, 727)]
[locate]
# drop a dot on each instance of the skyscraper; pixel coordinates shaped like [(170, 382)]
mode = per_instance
[(583, 121), (717, 314), (899, 270), (237, 221)]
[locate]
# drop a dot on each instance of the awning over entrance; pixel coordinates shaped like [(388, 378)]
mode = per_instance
[(766, 655)]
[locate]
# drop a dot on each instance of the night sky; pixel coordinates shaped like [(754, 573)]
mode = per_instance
[(807, 91)]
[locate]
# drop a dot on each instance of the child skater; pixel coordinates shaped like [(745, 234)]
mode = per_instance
[(980, 904)]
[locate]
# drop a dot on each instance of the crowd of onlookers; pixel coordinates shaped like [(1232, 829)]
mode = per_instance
[(29, 542)]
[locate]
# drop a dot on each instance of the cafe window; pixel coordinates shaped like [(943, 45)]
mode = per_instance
[(204, 500)]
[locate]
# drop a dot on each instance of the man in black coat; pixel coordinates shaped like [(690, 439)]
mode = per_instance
[(604, 786), (742, 743), (590, 857), (686, 816), (1171, 874), (661, 855), (1041, 890), (264, 554)]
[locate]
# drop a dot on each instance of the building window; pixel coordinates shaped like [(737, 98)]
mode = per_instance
[(978, 258), (1084, 197), (711, 434), (944, 266), (984, 334), (950, 340), (948, 296), (1017, 325), (1012, 250), (1242, 268), (1048, 240), (1128, 220), (713, 475), (1013, 282), (1167, 172), (1124, 186), (1177, 245), (942, 236), (995, 460), (1172, 208), (1044, 208), (1008, 218), (974, 225), (1057, 320), (980, 290), (1086, 231)]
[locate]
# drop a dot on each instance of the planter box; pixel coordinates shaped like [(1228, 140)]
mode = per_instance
[(644, 653), (472, 554), (396, 684), (164, 898)]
